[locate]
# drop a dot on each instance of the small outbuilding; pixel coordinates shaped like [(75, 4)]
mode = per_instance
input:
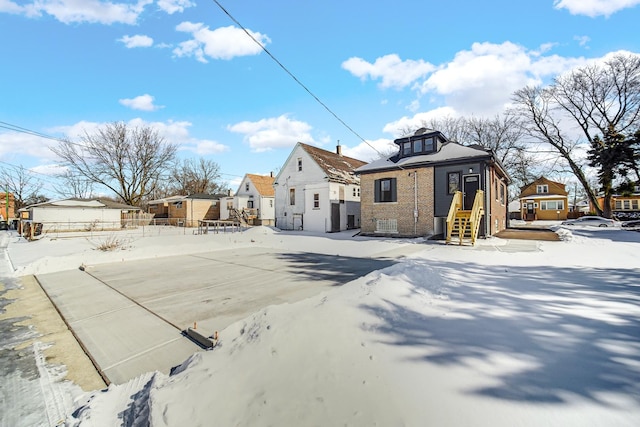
[(75, 215)]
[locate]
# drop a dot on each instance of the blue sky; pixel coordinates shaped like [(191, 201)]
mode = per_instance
[(184, 67)]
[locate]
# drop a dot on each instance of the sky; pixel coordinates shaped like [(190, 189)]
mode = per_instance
[(351, 73), (505, 333)]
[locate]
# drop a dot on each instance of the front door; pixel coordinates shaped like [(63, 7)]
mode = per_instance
[(471, 184), (531, 213)]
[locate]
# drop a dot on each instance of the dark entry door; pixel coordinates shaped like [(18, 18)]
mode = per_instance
[(471, 184), (335, 216)]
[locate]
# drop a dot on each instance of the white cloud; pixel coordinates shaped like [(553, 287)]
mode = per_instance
[(482, 80), (72, 11), (29, 146), (582, 40), (393, 71), (221, 43), (276, 132), (173, 6), (136, 41), (371, 150), (173, 132), (142, 102), (593, 8), (10, 7), (399, 127), (205, 147)]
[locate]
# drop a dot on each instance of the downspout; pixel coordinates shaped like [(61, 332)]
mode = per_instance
[(415, 203)]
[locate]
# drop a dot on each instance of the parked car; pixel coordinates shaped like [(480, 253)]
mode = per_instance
[(4, 225), (631, 224), (594, 221)]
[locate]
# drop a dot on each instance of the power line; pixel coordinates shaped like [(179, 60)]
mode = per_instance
[(295, 78)]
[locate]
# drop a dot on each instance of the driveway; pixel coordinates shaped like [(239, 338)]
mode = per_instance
[(129, 316)]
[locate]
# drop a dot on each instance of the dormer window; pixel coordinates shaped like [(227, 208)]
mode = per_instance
[(542, 189), (418, 144)]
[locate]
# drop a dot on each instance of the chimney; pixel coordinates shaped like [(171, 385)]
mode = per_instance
[(271, 174), (339, 149)]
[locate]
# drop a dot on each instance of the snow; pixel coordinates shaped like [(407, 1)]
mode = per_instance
[(505, 333)]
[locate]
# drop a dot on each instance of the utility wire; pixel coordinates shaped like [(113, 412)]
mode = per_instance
[(295, 78)]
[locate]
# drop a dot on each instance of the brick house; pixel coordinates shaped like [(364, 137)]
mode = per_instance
[(7, 206), (543, 199), (411, 193)]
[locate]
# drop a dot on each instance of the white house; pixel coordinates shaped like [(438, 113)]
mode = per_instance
[(316, 190), (254, 200)]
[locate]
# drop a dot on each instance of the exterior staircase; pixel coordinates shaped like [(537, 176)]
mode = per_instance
[(240, 216), (463, 225)]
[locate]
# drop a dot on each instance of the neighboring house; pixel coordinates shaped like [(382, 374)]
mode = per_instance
[(75, 215), (317, 190), (7, 206), (254, 201), (544, 199), (623, 206), (413, 192), (186, 211)]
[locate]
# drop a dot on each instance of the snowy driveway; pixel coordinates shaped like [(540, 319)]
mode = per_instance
[(130, 315)]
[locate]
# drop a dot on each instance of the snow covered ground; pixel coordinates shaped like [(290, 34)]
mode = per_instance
[(501, 334)]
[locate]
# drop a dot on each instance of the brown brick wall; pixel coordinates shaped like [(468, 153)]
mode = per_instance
[(497, 214), (401, 210)]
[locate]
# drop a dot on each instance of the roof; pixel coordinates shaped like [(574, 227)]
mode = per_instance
[(554, 187), (449, 151), (83, 203), (338, 168), (263, 183), (179, 198)]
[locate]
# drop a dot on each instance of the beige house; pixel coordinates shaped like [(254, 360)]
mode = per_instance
[(186, 211), (542, 200), (428, 183)]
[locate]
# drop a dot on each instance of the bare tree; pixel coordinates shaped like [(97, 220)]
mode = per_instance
[(602, 100), (74, 186), (504, 135), (193, 177), (128, 161), (23, 185)]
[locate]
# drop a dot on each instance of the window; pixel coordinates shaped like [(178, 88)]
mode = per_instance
[(634, 205), (178, 205), (292, 196), (627, 205), (542, 189), (417, 146), (428, 145), (453, 180), (618, 205), (299, 164), (387, 225), (246, 187), (406, 148), (502, 194), (249, 204), (229, 205), (385, 190), (356, 191), (270, 203), (316, 201), (552, 205)]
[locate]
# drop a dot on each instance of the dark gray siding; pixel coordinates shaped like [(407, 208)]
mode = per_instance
[(442, 199)]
